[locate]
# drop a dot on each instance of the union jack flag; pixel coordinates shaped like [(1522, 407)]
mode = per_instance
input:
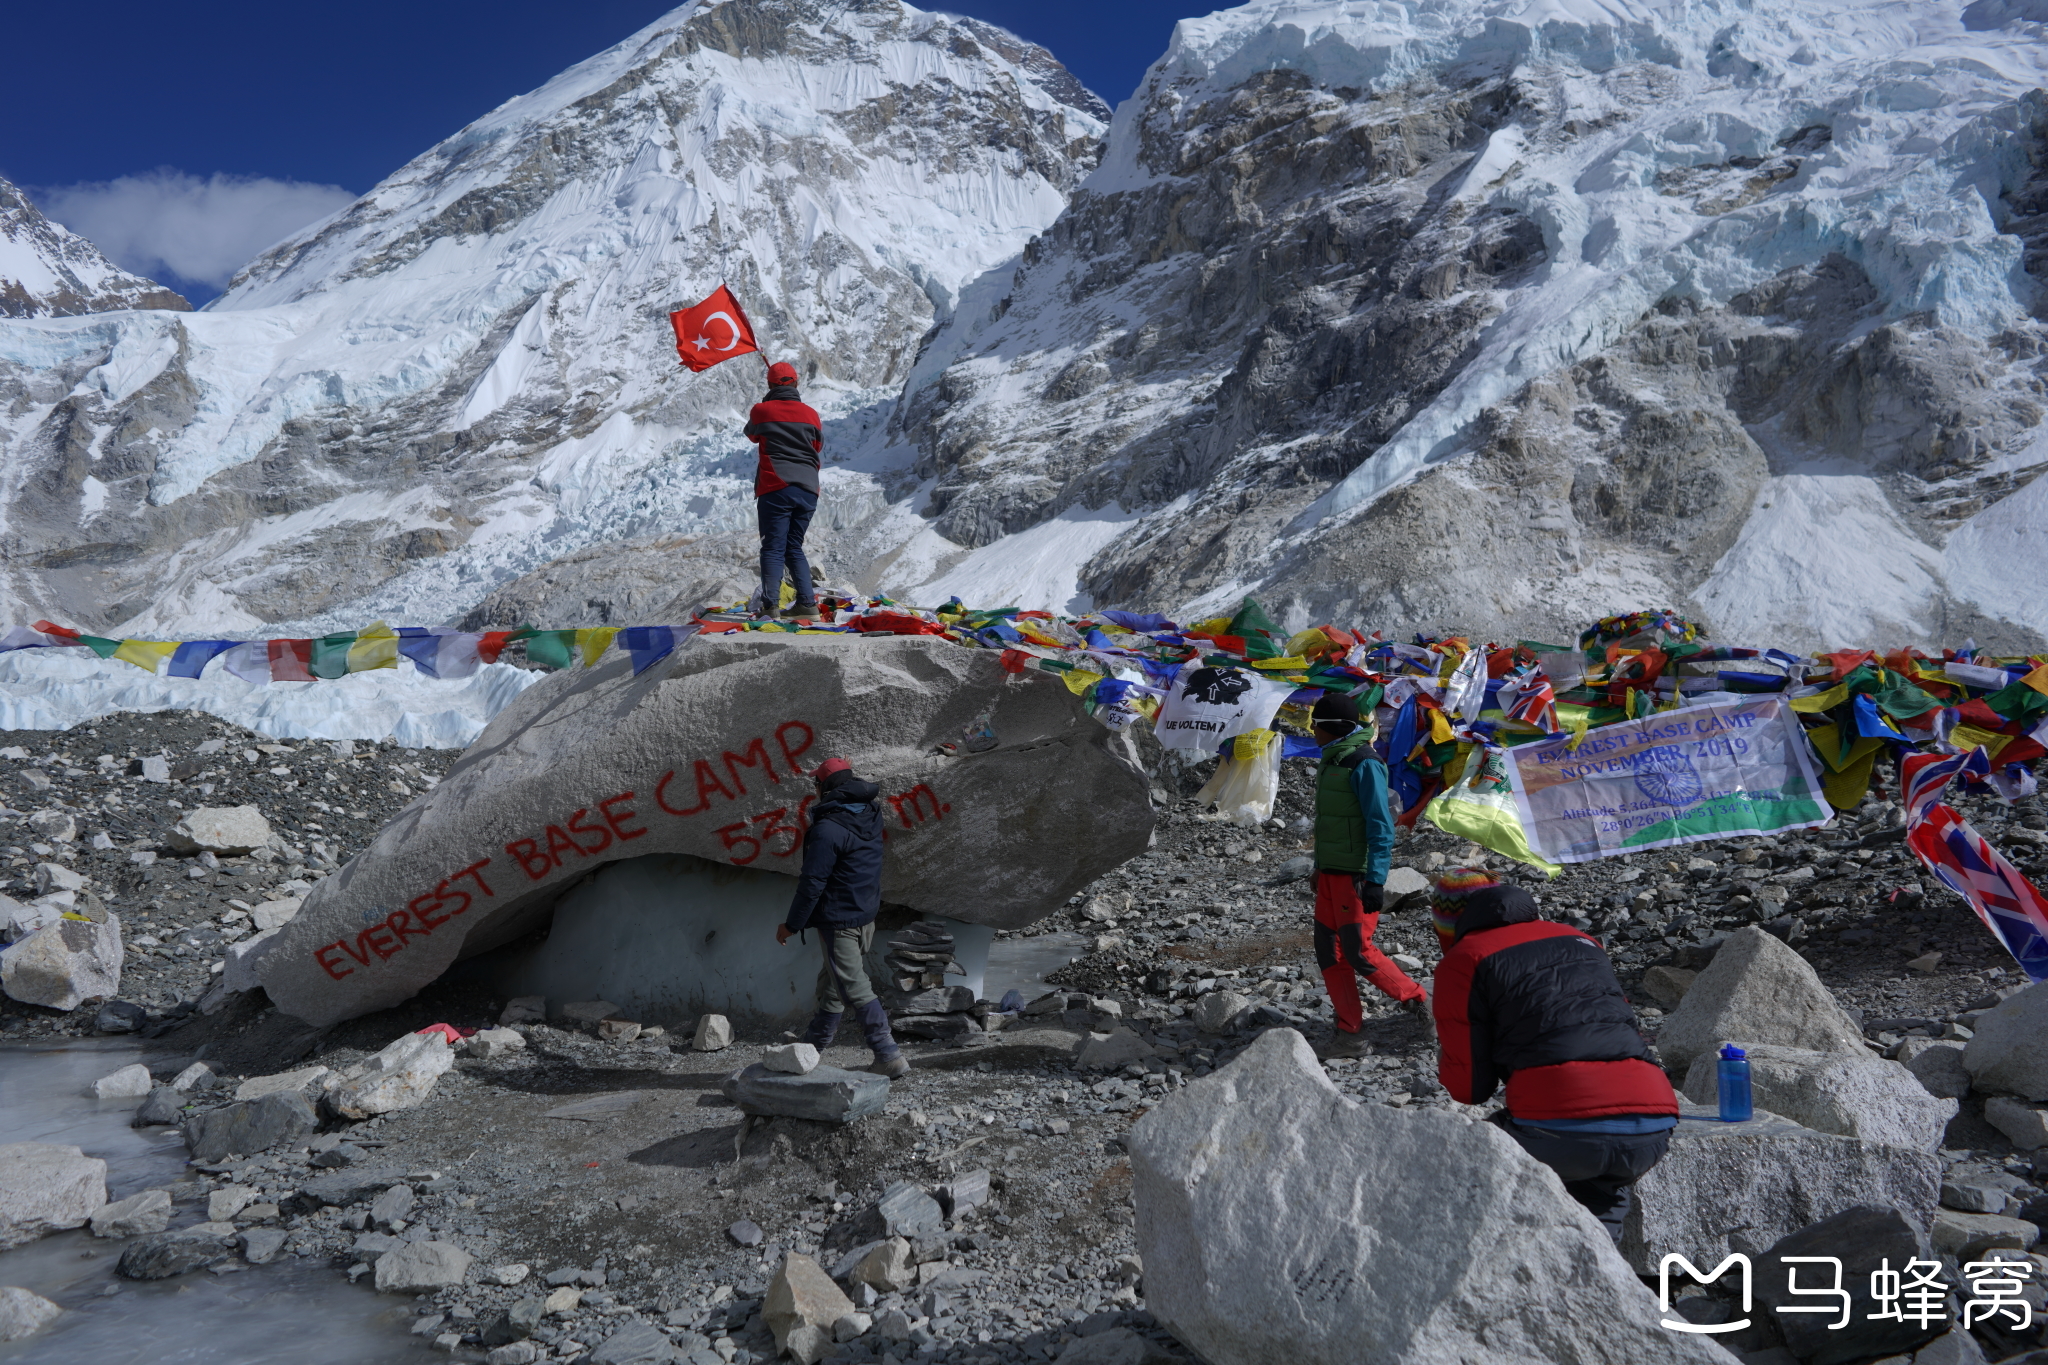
[(1534, 701), (2011, 908)]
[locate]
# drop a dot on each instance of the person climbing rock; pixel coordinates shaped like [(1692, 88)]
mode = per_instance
[(1535, 1005), (790, 438), (1354, 836), (839, 893)]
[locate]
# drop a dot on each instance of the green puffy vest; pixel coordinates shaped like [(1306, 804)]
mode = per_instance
[(1341, 844)]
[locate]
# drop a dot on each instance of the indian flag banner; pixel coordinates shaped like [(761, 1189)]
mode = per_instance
[(1674, 777)]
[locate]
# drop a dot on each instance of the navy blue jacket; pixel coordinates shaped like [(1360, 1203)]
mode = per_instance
[(840, 886)]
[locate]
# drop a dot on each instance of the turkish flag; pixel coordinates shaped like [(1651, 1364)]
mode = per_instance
[(716, 329)]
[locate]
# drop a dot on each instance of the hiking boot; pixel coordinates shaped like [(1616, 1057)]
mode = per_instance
[(1419, 1007), (800, 611), (1344, 1044), (824, 1028), (894, 1067), (874, 1023)]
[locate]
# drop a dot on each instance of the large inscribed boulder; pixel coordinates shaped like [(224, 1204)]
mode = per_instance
[(708, 753), (1759, 989), (1278, 1221)]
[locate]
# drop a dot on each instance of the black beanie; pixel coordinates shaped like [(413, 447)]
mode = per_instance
[(1336, 706)]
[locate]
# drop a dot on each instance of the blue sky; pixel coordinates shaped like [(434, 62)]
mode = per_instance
[(185, 133)]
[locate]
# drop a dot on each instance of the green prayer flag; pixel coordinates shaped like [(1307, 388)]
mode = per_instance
[(104, 648), (551, 648), (1256, 629), (330, 655)]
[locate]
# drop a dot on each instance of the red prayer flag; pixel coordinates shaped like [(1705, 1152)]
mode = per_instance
[(291, 660), (716, 329)]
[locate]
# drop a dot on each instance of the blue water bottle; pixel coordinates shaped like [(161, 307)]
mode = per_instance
[(1733, 1081)]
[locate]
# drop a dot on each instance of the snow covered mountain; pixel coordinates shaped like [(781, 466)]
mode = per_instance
[(49, 271), (1501, 315), (469, 373)]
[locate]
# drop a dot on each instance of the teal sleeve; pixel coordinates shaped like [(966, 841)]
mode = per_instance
[(1369, 783)]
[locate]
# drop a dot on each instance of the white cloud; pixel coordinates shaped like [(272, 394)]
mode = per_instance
[(204, 230)]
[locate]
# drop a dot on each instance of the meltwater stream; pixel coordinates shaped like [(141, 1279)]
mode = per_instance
[(291, 1310)]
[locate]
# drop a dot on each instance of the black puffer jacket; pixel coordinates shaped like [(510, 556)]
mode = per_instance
[(840, 886), (1536, 1005)]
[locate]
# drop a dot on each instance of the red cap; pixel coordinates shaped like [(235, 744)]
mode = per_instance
[(782, 372), (831, 766)]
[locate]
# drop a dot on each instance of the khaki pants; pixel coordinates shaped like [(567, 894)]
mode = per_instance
[(843, 983)]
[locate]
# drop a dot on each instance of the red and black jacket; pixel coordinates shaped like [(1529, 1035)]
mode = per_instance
[(790, 437), (1536, 1004)]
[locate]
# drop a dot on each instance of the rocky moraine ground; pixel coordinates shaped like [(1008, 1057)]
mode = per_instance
[(616, 1207)]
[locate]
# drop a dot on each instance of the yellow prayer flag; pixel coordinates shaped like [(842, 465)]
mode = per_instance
[(146, 654), (1439, 727), (593, 641), (1080, 680), (1290, 663), (375, 647), (1967, 737), (2038, 679), (1252, 743), (1310, 641), (1822, 701)]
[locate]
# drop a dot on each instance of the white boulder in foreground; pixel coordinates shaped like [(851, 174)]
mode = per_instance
[(399, 1077), (1279, 1221), (1759, 989), (46, 1187), (64, 964), (707, 753), (23, 1314)]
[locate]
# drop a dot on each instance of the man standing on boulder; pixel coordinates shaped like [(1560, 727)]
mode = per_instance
[(790, 437), (1354, 847), (1536, 1005), (839, 893)]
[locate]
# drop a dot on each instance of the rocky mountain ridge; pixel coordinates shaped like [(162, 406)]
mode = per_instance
[(49, 271)]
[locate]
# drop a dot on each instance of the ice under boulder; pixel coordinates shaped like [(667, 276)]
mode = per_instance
[(708, 754), (47, 1187), (1757, 988), (1728, 1187), (1833, 1092), (2008, 1051), (65, 964), (1279, 1221)]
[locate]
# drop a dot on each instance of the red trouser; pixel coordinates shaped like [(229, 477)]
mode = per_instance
[(1344, 951)]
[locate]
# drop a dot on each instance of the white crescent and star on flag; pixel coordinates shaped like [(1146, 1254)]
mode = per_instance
[(703, 340)]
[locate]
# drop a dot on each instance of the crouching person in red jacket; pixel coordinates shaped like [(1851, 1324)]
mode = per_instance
[(1535, 1005)]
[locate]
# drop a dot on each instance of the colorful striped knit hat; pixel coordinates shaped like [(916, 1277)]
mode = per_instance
[(1453, 886)]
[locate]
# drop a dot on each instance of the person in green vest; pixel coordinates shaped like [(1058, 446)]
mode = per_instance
[(1354, 846)]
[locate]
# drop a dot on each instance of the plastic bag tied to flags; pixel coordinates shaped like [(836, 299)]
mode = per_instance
[(2010, 906)]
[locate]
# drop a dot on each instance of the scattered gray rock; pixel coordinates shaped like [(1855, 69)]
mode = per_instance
[(1403, 882), (588, 1012), (795, 1059), (1668, 985), (635, 1344), (1233, 1180), (1862, 1238), (825, 1095), (963, 1192), (224, 831), (1966, 1236), (1727, 1187), (166, 1254), (351, 1185), (1114, 1050), (417, 1267), (907, 1210), (2026, 1125), (802, 1295), (64, 964), (1833, 1092), (275, 914), (494, 1042), (198, 1076), (2008, 1048), (714, 1034), (938, 1000), (119, 1016), (525, 1009), (251, 1126), (399, 1077), (393, 1207), (1938, 1065), (261, 1245), (136, 1216), (305, 1081), (1757, 988), (1218, 1011), (130, 1082), (887, 1267), (745, 1233), (23, 1314), (46, 1187)]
